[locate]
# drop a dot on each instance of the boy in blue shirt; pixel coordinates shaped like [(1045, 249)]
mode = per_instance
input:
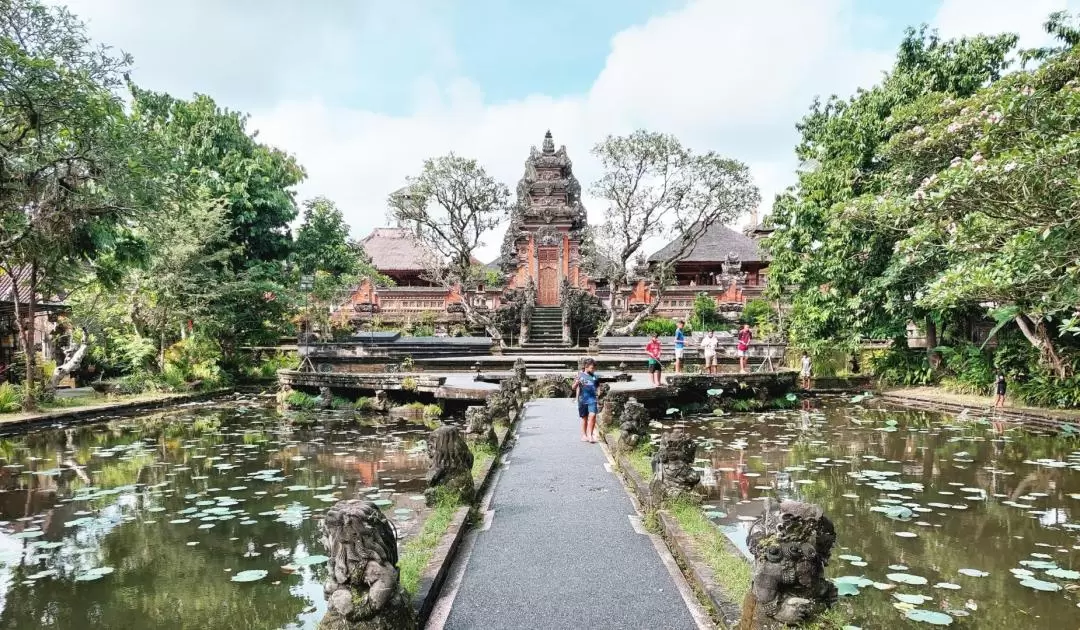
[(585, 386), (680, 345)]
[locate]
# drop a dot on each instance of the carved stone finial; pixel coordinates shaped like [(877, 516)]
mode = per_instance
[(633, 424), (479, 426), (382, 401), (791, 543), (362, 591), (549, 143), (673, 463), (451, 464), (326, 398), (519, 371)]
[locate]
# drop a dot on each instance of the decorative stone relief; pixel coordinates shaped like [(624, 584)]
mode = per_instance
[(673, 463), (479, 426), (633, 424), (451, 464)]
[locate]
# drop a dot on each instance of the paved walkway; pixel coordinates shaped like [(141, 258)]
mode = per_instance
[(561, 550)]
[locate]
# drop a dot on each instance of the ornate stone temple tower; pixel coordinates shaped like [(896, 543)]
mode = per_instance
[(544, 240)]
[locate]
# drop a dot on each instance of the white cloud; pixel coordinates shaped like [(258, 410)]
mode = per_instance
[(724, 75), (956, 18)]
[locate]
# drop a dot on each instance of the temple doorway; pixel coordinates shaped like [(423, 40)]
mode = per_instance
[(548, 276)]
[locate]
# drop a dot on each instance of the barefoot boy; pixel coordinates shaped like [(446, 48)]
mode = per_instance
[(653, 350), (586, 389)]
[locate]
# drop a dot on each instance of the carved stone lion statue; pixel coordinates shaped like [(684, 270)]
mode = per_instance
[(479, 426), (362, 591), (633, 424), (673, 463), (451, 465), (791, 543)]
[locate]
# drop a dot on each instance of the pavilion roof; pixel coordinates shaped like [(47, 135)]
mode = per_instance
[(394, 249), (714, 246)]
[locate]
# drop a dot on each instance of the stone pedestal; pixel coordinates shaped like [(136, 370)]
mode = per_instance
[(478, 427), (633, 424), (451, 465), (362, 591), (791, 543), (673, 463)]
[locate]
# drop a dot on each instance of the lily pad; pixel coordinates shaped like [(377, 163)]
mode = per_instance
[(1040, 585), (910, 598), (251, 575), (1064, 574), (382, 502), (973, 572), (714, 392), (93, 574), (310, 560), (906, 578), (931, 617), (948, 586), (672, 411)]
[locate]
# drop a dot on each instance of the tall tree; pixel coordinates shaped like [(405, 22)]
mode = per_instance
[(454, 204), (71, 165), (832, 270), (655, 187)]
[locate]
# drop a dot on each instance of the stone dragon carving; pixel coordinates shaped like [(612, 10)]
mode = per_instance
[(791, 543), (633, 424), (362, 590), (673, 463), (479, 426)]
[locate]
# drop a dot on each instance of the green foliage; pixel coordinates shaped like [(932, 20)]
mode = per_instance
[(584, 311), (663, 326), (416, 553), (196, 358), (409, 384), (729, 566), (703, 315), (900, 365), (757, 312), (10, 398), (968, 368), (1047, 391), (299, 400)]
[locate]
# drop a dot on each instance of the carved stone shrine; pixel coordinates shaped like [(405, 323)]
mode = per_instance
[(451, 465), (673, 463)]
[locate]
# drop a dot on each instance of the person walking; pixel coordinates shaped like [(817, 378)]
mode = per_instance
[(999, 388), (708, 351), (745, 335), (653, 350), (585, 386), (680, 345), (805, 371)]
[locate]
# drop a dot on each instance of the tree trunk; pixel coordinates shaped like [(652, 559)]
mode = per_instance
[(71, 364), (645, 312), (1041, 340), (480, 320), (933, 357)]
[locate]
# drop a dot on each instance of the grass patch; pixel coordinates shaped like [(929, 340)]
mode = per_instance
[(732, 570), (417, 552), (641, 460), (482, 455)]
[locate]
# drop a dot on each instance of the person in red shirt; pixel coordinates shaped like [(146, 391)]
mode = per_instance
[(744, 346), (653, 350)]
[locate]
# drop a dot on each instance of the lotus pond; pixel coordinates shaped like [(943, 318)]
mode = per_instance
[(202, 518), (940, 520)]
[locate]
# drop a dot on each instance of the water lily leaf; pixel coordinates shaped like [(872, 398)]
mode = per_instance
[(30, 533), (973, 572), (850, 558), (715, 514), (714, 392), (846, 589), (93, 574), (310, 560), (382, 502), (906, 534), (1040, 585), (909, 598), (250, 575), (672, 411), (906, 578), (791, 397), (931, 617), (1039, 564), (947, 585), (1064, 574)]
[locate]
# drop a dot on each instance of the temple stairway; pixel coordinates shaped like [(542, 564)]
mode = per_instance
[(546, 340)]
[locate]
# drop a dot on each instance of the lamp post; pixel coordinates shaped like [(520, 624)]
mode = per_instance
[(306, 284)]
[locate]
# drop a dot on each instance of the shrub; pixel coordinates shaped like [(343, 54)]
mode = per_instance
[(757, 312), (900, 365), (662, 326), (409, 384), (139, 383), (1048, 391), (432, 412), (704, 311), (10, 398)]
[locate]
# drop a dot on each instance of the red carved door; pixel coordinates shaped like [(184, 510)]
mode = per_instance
[(548, 281)]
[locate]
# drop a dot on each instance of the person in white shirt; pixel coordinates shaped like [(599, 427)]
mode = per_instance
[(708, 350), (805, 371)]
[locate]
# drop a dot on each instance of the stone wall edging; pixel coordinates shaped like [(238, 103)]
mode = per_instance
[(434, 576), (78, 415), (1045, 421), (681, 546)]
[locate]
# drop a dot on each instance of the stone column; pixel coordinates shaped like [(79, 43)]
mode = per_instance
[(451, 465), (362, 591), (673, 463), (478, 426), (633, 424), (791, 543)]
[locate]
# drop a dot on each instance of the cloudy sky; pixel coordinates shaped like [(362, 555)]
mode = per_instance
[(362, 91)]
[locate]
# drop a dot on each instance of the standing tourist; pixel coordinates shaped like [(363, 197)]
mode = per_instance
[(680, 345), (586, 388), (805, 371), (708, 351), (653, 350), (999, 387), (744, 346)]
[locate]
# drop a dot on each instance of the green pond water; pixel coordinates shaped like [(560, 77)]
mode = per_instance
[(203, 518), (952, 516)]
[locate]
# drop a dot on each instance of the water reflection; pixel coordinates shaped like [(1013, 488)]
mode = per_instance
[(142, 522), (922, 491)]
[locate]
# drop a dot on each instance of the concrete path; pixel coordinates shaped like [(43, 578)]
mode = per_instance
[(563, 547)]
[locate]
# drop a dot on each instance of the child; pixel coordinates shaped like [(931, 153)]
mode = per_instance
[(653, 350), (586, 389), (744, 346), (999, 383), (680, 345), (805, 371), (708, 351)]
